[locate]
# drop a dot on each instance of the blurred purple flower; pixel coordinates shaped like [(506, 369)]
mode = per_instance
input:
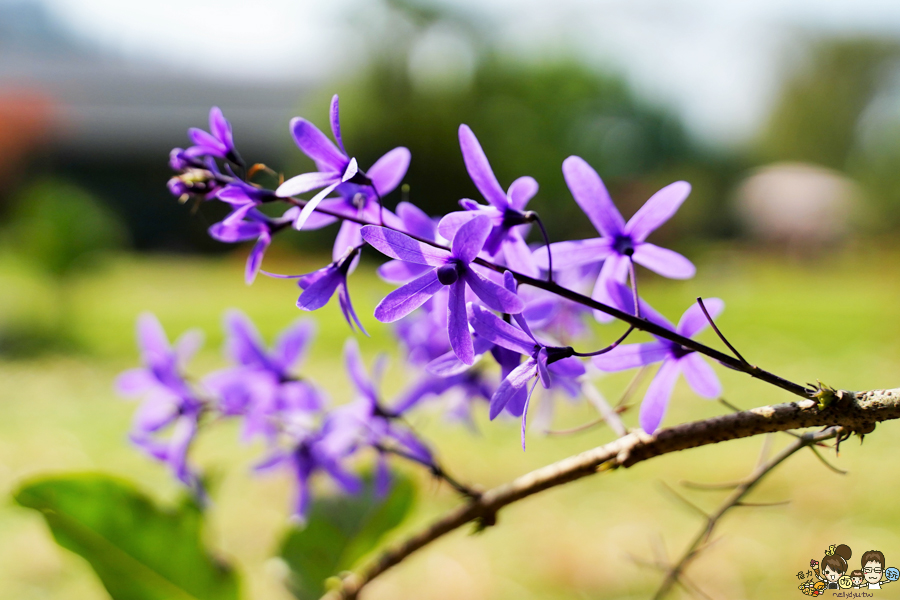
[(261, 387), (620, 242), (308, 455), (169, 401), (506, 210), (450, 269), (675, 360)]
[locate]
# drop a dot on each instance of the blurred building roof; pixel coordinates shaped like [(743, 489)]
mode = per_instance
[(104, 106)]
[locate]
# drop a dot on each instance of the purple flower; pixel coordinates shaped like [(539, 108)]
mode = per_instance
[(310, 453), (243, 197), (260, 387), (418, 224), (620, 242), (319, 286), (255, 225), (506, 210), (168, 400), (450, 269), (218, 142), (540, 357), (423, 333), (364, 201), (335, 167), (365, 421), (675, 359)]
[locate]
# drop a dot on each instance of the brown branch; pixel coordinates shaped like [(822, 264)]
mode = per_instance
[(852, 412), (676, 572)]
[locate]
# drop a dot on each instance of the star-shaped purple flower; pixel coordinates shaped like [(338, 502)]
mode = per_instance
[(261, 387), (620, 242), (335, 167), (447, 269), (506, 209), (675, 359), (169, 401)]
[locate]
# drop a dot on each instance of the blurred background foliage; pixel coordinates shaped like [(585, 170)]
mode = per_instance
[(89, 237)]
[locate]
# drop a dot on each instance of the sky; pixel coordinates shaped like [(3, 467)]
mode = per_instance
[(718, 63)]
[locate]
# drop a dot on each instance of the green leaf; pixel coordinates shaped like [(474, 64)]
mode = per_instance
[(339, 531), (138, 550)]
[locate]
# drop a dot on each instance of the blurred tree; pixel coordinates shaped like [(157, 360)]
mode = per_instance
[(54, 224), (437, 69), (816, 117)]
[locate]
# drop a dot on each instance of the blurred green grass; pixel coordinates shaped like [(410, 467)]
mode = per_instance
[(836, 319)]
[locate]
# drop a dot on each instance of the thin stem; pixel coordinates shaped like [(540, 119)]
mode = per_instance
[(435, 469), (637, 322), (608, 348), (537, 219), (674, 573), (719, 333), (855, 412)]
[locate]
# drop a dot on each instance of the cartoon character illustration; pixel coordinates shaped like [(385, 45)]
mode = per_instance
[(856, 577), (834, 565), (873, 569), (813, 588)]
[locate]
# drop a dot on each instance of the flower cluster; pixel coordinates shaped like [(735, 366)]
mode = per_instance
[(469, 287)]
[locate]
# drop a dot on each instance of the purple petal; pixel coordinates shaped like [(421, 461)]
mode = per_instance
[(182, 435), (693, 321), (320, 291), (518, 255), (220, 127), (543, 373), (207, 143), (448, 365), (151, 337), (515, 381), (317, 146), (589, 192), (521, 191), (402, 247), (357, 371), (389, 170), (306, 182), (491, 327), (574, 254), (479, 168), (398, 271), (254, 261), (615, 268), (657, 210), (231, 233), (451, 222), (351, 171), (335, 117), (700, 376), (348, 237), (134, 382), (244, 344), (291, 344), (347, 308), (415, 221), (631, 356), (470, 238), (458, 324), (656, 400), (493, 295), (311, 205), (187, 345), (408, 298), (665, 262)]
